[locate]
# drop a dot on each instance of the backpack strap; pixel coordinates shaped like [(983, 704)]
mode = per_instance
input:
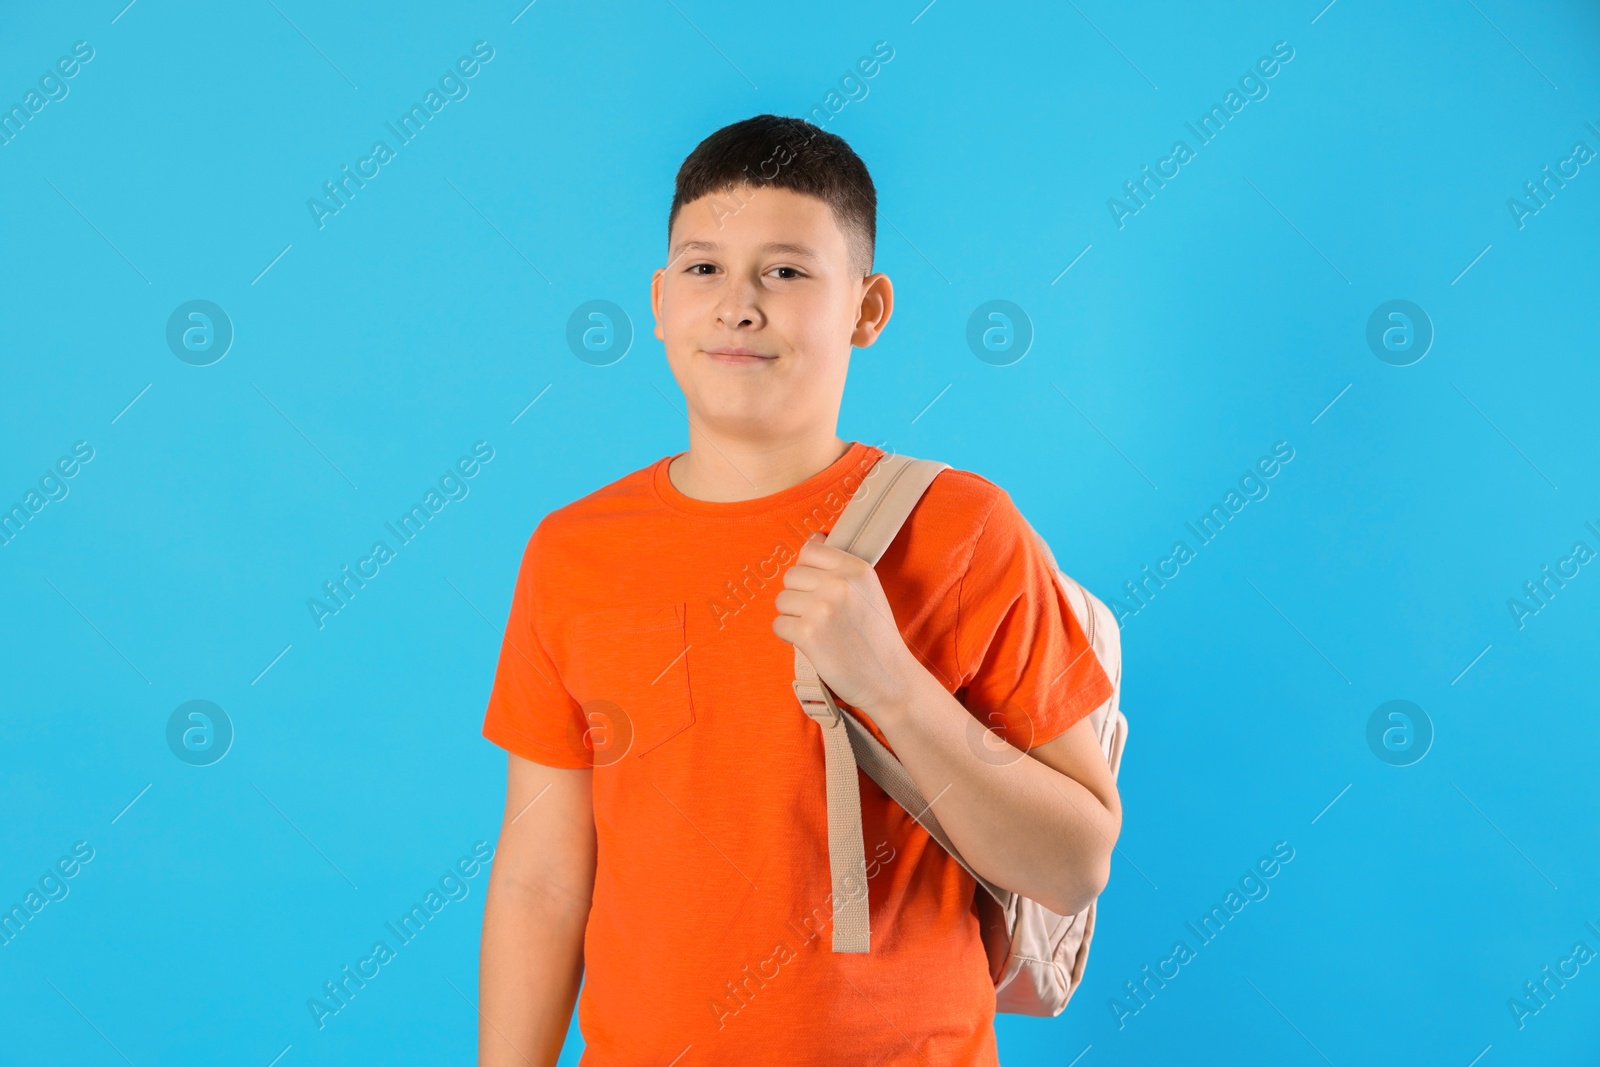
[(865, 528), (883, 767)]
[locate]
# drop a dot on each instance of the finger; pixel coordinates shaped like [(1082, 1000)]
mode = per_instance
[(788, 626), (791, 602), (787, 631), (803, 577), (817, 554)]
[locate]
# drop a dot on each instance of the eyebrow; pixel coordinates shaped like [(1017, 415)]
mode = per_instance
[(779, 247)]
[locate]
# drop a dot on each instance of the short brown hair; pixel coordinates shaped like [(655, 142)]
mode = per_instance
[(786, 153)]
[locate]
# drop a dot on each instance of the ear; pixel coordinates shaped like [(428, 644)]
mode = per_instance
[(877, 305), (656, 281)]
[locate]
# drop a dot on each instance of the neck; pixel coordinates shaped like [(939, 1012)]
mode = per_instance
[(724, 469)]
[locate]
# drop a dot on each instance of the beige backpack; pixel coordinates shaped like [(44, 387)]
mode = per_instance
[(1036, 957)]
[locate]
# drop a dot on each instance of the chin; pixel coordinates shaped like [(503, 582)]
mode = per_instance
[(740, 420)]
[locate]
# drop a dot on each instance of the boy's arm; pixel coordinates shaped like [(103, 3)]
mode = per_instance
[(1041, 823), (534, 916)]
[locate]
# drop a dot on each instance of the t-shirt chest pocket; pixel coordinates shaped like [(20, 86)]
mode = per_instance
[(629, 670)]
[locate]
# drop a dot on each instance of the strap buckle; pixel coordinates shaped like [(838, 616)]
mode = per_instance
[(817, 702)]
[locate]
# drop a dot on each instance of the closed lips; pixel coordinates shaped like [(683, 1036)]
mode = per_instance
[(736, 353)]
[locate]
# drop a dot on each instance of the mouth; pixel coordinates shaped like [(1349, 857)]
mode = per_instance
[(736, 356)]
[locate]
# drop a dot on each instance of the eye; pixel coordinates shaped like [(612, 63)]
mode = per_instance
[(694, 268), (793, 270)]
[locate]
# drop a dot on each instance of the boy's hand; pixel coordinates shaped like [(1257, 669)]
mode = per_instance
[(834, 610)]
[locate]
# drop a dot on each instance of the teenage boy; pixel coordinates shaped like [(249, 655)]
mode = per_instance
[(665, 839)]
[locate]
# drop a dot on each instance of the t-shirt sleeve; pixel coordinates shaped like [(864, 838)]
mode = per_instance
[(1029, 670), (531, 714)]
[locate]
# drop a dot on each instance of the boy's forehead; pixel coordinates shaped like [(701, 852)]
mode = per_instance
[(766, 220), (778, 248)]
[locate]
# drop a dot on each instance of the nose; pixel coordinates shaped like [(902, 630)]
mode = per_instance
[(739, 306)]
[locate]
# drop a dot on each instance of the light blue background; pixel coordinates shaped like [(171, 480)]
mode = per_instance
[(1224, 317)]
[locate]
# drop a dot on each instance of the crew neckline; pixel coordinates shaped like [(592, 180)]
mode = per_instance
[(816, 485)]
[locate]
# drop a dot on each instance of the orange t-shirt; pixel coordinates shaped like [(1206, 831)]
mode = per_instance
[(640, 642)]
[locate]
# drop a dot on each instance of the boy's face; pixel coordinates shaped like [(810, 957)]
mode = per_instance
[(765, 271)]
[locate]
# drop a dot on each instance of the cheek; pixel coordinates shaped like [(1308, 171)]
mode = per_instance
[(682, 315), (819, 370), (821, 322)]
